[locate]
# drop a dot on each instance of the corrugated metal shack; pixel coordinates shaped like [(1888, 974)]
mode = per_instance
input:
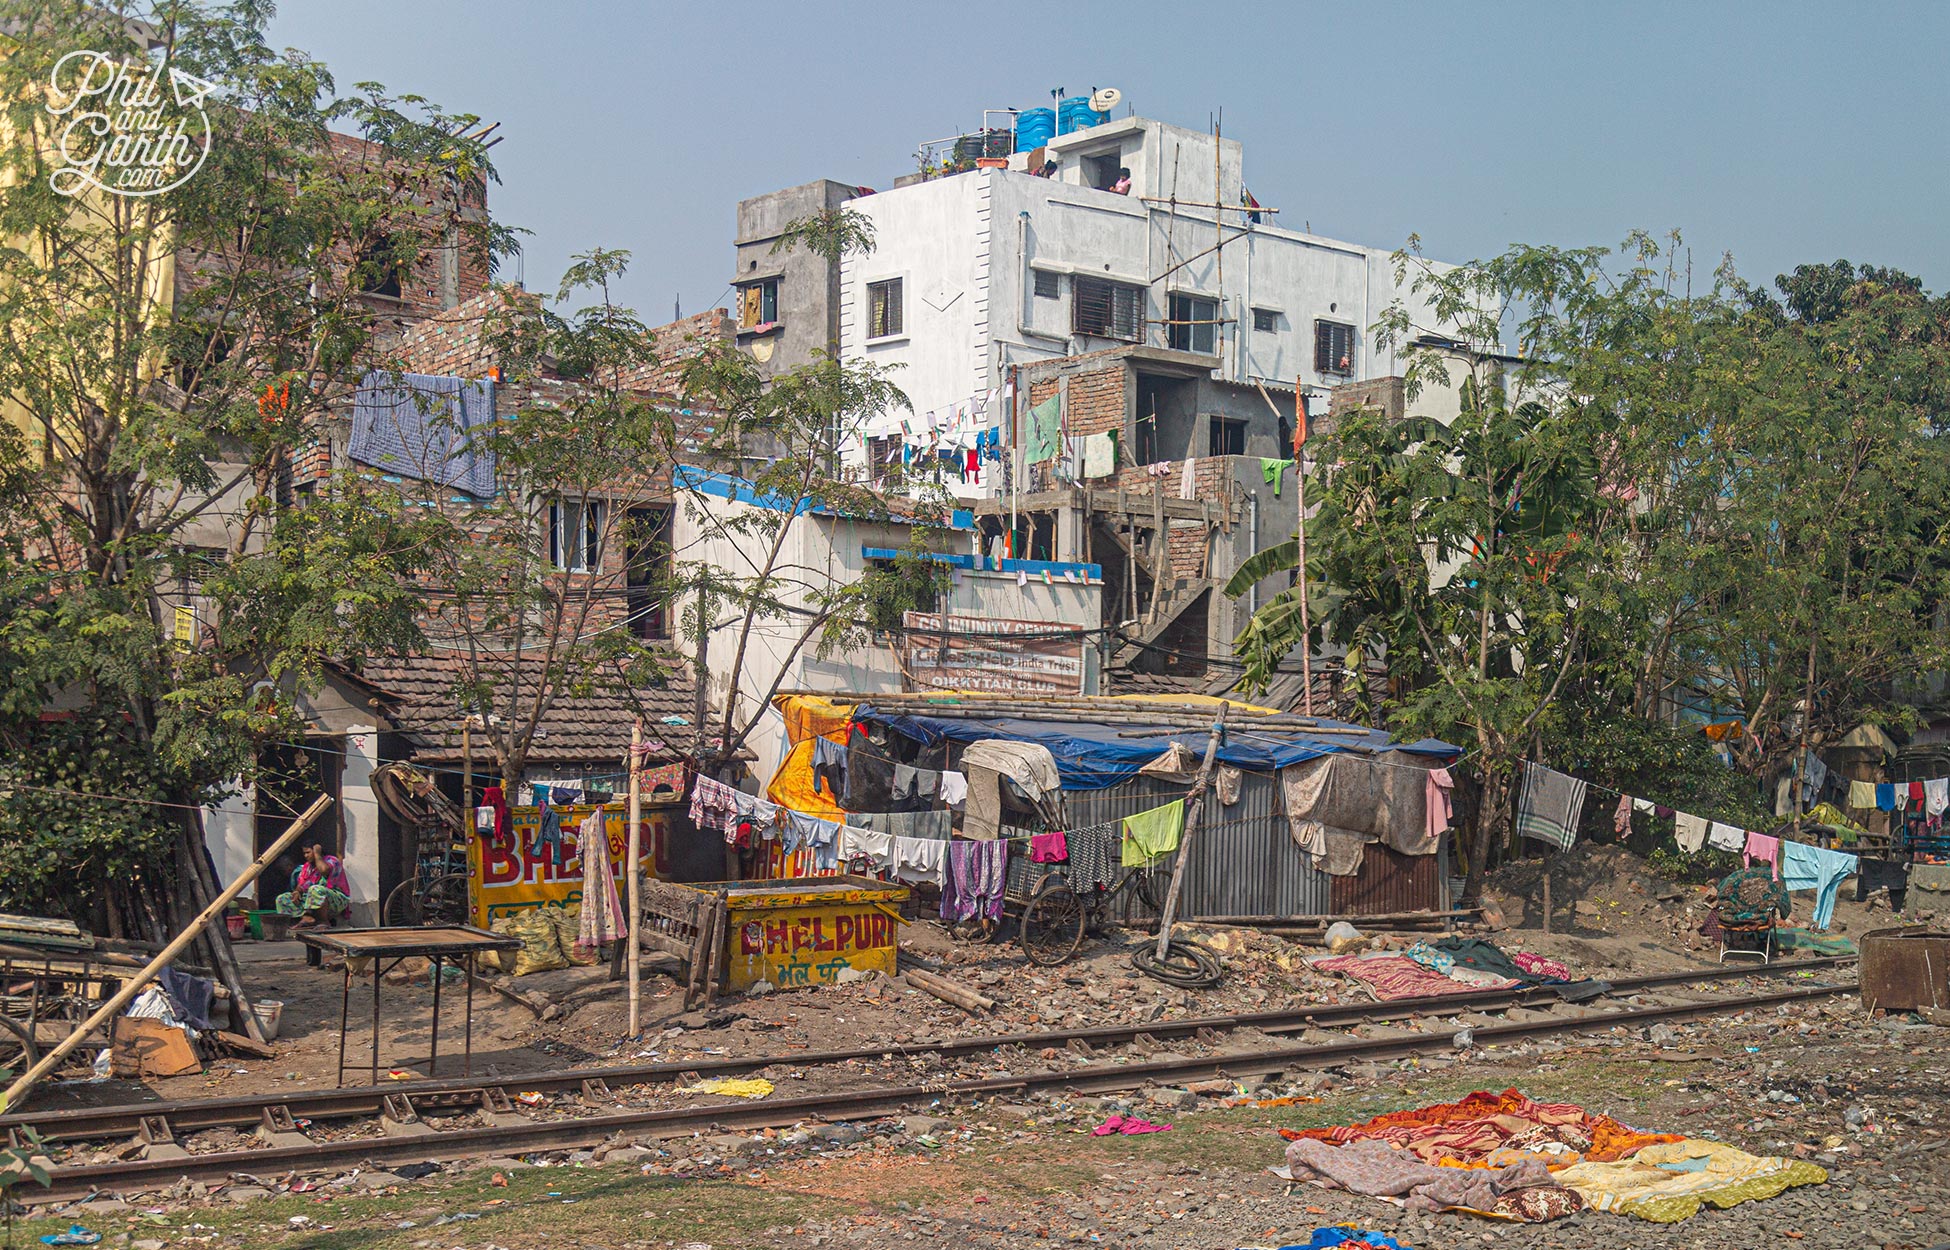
[(1244, 860)]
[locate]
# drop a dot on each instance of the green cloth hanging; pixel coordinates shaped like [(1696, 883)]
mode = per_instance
[(1153, 834), (1045, 430), (1274, 471)]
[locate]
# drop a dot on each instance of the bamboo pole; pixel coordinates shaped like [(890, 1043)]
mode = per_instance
[(1300, 535), (1191, 827), (948, 992), (136, 983), (635, 878)]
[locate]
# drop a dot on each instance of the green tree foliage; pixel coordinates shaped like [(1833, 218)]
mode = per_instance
[(165, 363), (1667, 504)]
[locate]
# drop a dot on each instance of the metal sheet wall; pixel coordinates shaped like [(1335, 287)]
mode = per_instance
[(1244, 862)]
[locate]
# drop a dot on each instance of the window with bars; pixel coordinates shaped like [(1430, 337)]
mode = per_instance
[(1228, 437), (1194, 323), (1333, 347), (1048, 285), (1266, 319), (884, 308), (1109, 310)]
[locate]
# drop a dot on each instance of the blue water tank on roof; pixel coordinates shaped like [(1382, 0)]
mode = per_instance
[(1034, 128), (1075, 113)]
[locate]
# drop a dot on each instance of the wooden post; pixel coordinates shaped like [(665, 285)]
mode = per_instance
[(1191, 827), (634, 878), (136, 983), (199, 885), (1300, 481), (1547, 892), (467, 772)]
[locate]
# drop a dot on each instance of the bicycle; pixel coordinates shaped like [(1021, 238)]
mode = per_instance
[(1055, 917), (436, 893)]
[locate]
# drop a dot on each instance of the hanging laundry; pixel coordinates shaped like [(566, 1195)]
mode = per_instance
[(492, 800), (1885, 796), (1188, 481), (1862, 795), (1274, 471), (1814, 775), (914, 788), (1805, 867), (974, 880), (1226, 783), (1646, 805), (1621, 820), (1762, 849), (1936, 796), (1100, 454), (1549, 806), (1916, 795), (920, 860), (954, 788), (1689, 831), (1727, 837), (1047, 848), (829, 766), (548, 830), (1045, 430), (1150, 836), (876, 849), (601, 919), (1440, 801)]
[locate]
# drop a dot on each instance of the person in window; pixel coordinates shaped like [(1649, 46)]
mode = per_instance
[(1048, 170), (320, 893), (1123, 184)]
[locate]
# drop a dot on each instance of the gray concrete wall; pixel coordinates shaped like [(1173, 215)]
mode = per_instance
[(809, 288)]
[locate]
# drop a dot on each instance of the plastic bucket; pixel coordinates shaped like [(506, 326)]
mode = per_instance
[(270, 1013)]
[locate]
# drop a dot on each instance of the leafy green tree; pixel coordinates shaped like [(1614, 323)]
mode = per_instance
[(166, 364)]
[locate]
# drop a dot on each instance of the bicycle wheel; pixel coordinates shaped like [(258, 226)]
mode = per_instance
[(1052, 923), (444, 901), (17, 1049), (402, 909)]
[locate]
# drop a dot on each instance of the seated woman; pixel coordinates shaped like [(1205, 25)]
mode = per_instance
[(320, 894)]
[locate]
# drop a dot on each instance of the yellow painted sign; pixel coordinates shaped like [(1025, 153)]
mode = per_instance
[(808, 935), (509, 873)]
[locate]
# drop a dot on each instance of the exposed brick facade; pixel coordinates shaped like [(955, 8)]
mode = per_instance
[(1387, 394)]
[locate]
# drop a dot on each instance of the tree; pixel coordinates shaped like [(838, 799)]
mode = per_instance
[(166, 361), (532, 591), (746, 576)]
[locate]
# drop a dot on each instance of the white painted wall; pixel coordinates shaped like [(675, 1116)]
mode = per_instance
[(361, 857), (962, 246), (230, 831), (823, 551)]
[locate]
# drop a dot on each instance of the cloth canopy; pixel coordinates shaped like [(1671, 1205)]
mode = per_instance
[(1091, 756)]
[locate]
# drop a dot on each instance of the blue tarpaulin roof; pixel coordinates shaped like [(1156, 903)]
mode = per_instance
[(1091, 756)]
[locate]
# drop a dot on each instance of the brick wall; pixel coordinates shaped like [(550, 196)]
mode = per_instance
[(1387, 394), (1097, 396)]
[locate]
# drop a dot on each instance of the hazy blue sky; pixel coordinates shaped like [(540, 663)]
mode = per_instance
[(1781, 132)]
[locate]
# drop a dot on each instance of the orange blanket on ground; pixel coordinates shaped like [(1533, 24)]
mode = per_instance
[(1469, 1131)]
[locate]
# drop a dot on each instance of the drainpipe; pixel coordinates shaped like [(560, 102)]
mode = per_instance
[(1252, 533)]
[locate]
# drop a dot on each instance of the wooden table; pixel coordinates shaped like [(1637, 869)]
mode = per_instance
[(438, 943)]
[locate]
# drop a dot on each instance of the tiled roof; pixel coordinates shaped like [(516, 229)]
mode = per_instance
[(578, 728)]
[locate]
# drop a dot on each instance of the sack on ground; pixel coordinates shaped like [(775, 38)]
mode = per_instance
[(541, 949)]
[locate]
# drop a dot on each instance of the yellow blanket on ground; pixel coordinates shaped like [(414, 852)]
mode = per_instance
[(1669, 1182)]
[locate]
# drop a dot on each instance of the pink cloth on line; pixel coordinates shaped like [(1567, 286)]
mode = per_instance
[(1440, 803), (1621, 820), (1397, 976), (1048, 848), (1129, 1126), (1760, 848)]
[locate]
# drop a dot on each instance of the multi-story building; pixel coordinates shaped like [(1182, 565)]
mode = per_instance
[(1125, 271)]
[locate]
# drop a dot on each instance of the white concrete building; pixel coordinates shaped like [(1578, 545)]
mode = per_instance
[(974, 273), (825, 549)]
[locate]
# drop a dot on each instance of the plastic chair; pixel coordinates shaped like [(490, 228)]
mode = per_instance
[(1763, 930)]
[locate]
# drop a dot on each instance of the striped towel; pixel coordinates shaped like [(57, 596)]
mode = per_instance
[(1549, 806)]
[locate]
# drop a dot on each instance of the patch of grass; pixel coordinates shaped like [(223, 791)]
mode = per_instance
[(606, 1206)]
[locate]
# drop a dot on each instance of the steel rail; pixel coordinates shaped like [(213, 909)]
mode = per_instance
[(68, 1183), (247, 1111)]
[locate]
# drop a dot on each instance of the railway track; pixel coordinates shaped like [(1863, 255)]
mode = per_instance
[(498, 1126)]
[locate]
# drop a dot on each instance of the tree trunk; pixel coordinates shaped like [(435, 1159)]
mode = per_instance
[(1492, 823)]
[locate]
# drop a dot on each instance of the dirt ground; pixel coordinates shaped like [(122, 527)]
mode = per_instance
[(1821, 1080)]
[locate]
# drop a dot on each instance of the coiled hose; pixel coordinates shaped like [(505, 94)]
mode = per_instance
[(1186, 965)]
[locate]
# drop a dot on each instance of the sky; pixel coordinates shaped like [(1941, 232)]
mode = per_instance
[(1783, 133)]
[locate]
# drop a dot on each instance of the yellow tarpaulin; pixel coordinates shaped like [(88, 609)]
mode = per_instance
[(811, 716), (792, 786)]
